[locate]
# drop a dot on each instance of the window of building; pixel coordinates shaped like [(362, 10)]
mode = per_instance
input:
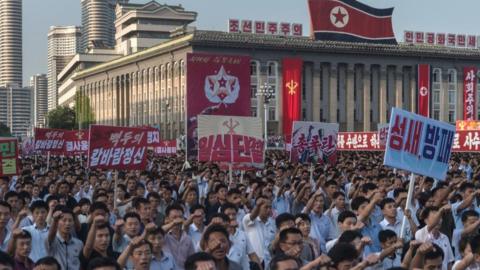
[(452, 95), (436, 91)]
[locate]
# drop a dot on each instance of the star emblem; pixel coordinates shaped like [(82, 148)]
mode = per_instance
[(339, 16), (423, 91), (222, 82)]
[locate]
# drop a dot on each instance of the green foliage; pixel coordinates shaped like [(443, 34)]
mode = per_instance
[(61, 118), (4, 130), (83, 110)]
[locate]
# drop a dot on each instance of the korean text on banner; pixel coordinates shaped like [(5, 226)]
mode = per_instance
[(231, 139), (359, 141), (469, 93), (76, 142), (117, 148), (419, 144), (49, 140), (9, 157), (166, 148), (463, 125), (216, 85), (382, 133), (314, 142)]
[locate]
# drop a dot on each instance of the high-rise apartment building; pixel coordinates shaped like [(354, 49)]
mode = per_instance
[(11, 43), (16, 109), (98, 22), (39, 86), (63, 44)]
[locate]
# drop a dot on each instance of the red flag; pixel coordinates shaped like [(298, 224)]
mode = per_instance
[(350, 20), (292, 94), (469, 93), (424, 90)]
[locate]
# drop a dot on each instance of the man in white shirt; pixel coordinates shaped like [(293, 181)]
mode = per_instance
[(260, 228), (391, 220), (39, 230), (432, 216)]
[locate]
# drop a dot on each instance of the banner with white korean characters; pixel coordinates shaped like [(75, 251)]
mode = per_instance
[(419, 144), (118, 147), (358, 141)]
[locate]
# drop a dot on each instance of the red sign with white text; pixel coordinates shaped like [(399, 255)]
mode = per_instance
[(216, 85), (49, 140), (469, 93), (166, 148), (117, 148), (466, 141), (359, 141), (76, 142)]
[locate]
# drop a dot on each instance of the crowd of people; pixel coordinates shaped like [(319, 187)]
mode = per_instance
[(346, 216)]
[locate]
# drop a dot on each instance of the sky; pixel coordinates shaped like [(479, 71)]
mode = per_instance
[(442, 16)]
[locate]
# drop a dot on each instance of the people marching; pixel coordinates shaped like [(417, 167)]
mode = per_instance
[(350, 215)]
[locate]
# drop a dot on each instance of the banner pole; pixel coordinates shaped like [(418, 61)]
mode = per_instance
[(242, 172), (115, 185), (411, 187), (230, 174), (48, 161)]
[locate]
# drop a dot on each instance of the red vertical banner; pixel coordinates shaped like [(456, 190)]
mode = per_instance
[(292, 94), (469, 93), (424, 90)]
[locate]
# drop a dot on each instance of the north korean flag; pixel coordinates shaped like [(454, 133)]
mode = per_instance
[(350, 21)]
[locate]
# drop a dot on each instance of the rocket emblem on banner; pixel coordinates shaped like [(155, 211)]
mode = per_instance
[(222, 88)]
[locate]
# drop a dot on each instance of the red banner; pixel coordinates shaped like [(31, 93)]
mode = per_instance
[(424, 90), (359, 141), (49, 140), (466, 141), (216, 85), (76, 142), (9, 157), (117, 148), (166, 148), (469, 93), (464, 125), (350, 20), (292, 94)]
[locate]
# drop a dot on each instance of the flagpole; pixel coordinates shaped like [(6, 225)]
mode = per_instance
[(411, 187)]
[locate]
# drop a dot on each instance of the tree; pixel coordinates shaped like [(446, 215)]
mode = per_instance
[(4, 130), (62, 118), (84, 111)]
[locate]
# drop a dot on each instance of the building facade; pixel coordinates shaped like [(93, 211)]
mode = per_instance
[(39, 86), (16, 110), (11, 43), (353, 84), (141, 26), (63, 44), (98, 22)]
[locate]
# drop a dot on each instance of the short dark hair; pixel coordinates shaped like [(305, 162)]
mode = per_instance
[(24, 235), (344, 215), (197, 257), (385, 202), (469, 213), (102, 262), (131, 215), (355, 204), (224, 217), (137, 202), (385, 235), (84, 201), (397, 192), (214, 229), (228, 206), (337, 194), (475, 244), (349, 236), (156, 231), (282, 218), (282, 236), (303, 217), (280, 258), (465, 186), (435, 253), (98, 206), (50, 261), (426, 212), (6, 260), (10, 194), (196, 207), (341, 252), (172, 207), (40, 204)]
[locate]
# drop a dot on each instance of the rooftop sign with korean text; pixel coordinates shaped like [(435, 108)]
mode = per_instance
[(441, 39), (263, 27)]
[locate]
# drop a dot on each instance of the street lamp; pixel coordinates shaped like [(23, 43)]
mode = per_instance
[(266, 91)]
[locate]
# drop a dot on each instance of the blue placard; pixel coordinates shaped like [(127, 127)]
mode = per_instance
[(418, 144)]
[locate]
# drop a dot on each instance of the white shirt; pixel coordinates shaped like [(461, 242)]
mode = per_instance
[(473, 266), (423, 235), (39, 237), (330, 244), (196, 236), (397, 227), (260, 235), (241, 248)]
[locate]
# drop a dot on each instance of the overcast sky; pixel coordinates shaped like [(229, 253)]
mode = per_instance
[(447, 16)]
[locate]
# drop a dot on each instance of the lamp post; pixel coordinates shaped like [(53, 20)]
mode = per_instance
[(266, 91)]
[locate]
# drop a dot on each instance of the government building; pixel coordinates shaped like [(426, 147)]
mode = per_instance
[(353, 84)]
